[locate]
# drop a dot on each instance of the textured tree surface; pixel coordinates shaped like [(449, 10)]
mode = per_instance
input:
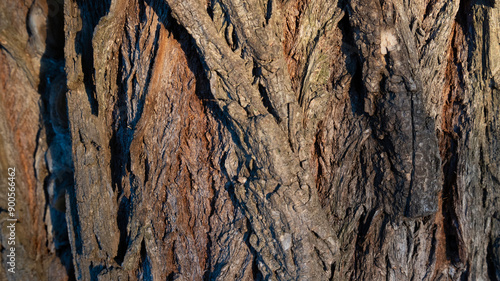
[(251, 139)]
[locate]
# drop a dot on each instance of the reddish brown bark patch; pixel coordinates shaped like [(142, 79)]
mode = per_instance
[(449, 248)]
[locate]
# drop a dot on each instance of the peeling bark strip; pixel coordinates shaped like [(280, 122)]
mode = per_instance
[(252, 140)]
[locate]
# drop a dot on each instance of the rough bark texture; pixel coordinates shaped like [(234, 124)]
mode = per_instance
[(251, 139)]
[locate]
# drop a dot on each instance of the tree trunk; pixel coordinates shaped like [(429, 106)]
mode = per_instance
[(251, 140)]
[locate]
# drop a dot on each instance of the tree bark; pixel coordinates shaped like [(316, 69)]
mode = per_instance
[(251, 140)]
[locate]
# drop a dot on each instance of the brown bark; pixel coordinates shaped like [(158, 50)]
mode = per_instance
[(252, 140)]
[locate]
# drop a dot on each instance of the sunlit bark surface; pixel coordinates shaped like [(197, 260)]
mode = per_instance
[(251, 139)]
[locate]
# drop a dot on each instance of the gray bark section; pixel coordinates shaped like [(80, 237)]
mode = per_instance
[(254, 140)]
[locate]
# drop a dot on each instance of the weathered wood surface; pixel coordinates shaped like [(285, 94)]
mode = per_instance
[(252, 140)]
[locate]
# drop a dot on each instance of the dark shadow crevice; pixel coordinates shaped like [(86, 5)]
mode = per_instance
[(59, 184), (91, 13)]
